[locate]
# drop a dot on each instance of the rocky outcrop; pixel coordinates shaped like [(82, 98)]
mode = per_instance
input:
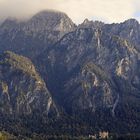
[(91, 24), (22, 90), (36, 34), (94, 89), (51, 20)]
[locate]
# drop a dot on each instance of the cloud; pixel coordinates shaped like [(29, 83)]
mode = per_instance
[(78, 10)]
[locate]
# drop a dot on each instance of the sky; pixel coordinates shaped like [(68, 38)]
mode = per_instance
[(108, 11)]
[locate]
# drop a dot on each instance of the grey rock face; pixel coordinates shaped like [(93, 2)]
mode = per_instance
[(51, 20), (129, 30), (36, 34), (92, 24), (22, 91), (94, 90)]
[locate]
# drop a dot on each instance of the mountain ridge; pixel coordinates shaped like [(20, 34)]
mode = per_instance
[(90, 72)]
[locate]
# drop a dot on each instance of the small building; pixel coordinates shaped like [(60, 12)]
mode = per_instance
[(103, 135)]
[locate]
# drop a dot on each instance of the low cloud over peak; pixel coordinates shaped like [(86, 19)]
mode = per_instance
[(105, 10)]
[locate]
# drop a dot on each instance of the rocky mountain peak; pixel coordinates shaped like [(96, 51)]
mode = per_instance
[(131, 22), (51, 20), (91, 24), (86, 21)]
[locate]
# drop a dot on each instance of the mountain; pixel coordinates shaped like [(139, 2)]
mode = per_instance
[(84, 77), (51, 20), (36, 34), (96, 74), (22, 90)]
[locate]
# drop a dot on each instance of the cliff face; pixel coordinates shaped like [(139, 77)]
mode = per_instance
[(22, 90)]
